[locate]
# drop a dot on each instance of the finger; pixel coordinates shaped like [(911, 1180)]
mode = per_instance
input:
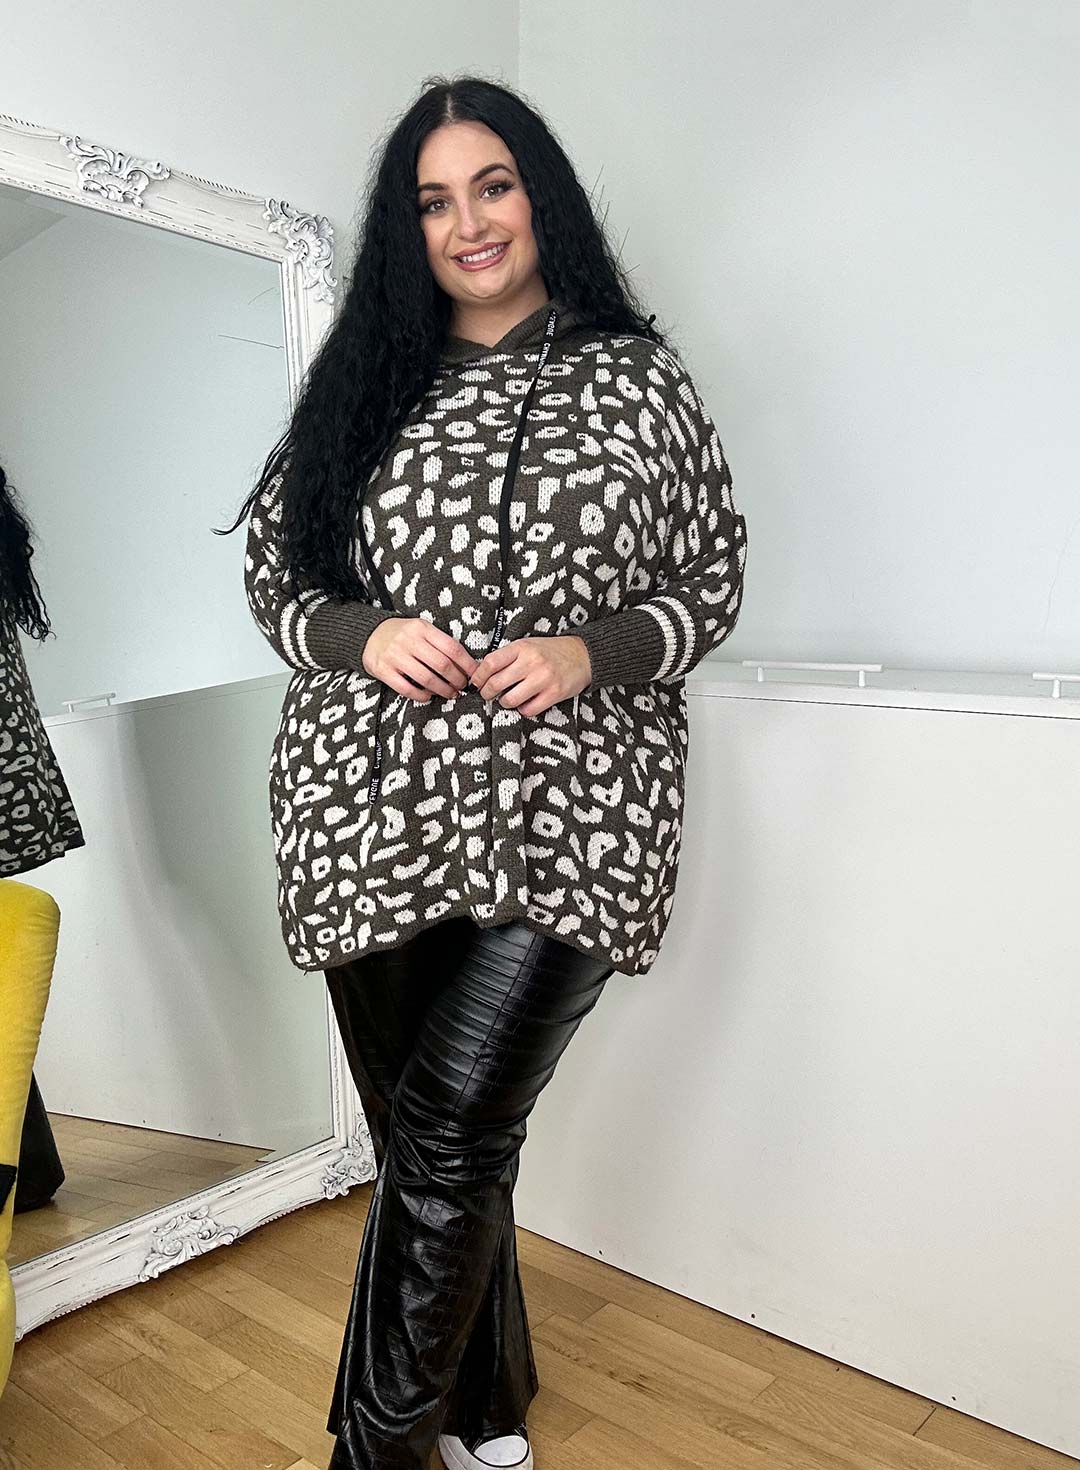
[(456, 652), (494, 663), (526, 689), (416, 669), (441, 664), (446, 665), (405, 686), (517, 665), (537, 705)]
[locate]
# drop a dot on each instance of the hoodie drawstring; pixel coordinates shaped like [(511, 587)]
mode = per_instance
[(504, 550)]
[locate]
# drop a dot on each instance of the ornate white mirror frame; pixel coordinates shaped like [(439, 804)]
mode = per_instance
[(147, 192)]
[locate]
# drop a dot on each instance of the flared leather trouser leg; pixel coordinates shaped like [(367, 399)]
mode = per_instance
[(380, 1002), (454, 1037)]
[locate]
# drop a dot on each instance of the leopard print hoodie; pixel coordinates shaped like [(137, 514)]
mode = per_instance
[(564, 480), (37, 819)]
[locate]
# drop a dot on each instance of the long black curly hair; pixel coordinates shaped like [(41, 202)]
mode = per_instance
[(20, 594), (382, 351)]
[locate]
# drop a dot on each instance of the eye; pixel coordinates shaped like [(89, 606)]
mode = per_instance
[(501, 184)]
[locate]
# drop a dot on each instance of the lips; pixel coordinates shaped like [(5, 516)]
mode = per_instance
[(487, 260)]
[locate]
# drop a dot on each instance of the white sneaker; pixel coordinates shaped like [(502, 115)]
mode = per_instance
[(478, 1454)]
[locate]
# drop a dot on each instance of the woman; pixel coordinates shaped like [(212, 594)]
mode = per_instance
[(37, 819), (495, 537)]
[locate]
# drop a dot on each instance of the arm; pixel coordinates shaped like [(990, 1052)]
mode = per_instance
[(309, 629), (698, 591)]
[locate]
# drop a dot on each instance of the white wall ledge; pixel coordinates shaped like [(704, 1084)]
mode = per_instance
[(942, 689), (185, 696)]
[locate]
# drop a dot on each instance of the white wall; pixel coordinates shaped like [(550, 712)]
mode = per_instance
[(143, 381), (842, 1105), (173, 1002), (148, 383), (278, 99), (859, 219), (862, 221)]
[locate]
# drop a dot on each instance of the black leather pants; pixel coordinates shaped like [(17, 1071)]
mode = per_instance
[(451, 1037)]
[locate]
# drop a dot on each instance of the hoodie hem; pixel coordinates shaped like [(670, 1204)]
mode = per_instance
[(486, 916)]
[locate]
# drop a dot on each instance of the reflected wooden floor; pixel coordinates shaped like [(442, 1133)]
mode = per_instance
[(227, 1363), (114, 1172)]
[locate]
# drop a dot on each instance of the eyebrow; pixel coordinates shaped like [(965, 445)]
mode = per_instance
[(479, 174)]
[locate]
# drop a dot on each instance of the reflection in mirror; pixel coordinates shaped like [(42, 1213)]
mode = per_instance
[(143, 382)]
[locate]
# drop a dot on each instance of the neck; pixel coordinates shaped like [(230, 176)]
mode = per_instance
[(488, 321)]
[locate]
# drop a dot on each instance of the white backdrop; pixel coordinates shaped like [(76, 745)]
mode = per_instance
[(859, 221), (842, 1104), (174, 1004), (135, 414), (862, 221)]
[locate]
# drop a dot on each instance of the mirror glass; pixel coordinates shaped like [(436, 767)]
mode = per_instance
[(144, 380)]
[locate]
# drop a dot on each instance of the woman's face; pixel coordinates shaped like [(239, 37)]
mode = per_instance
[(470, 196)]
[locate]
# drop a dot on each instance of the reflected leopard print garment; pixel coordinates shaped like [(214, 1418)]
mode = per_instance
[(37, 818)]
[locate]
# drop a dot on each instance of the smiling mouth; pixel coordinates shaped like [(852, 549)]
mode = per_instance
[(490, 252)]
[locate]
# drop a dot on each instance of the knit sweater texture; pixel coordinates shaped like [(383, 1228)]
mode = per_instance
[(37, 818), (617, 523)]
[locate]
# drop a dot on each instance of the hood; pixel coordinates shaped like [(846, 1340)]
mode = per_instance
[(529, 332)]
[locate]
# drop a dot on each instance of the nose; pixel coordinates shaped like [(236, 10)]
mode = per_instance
[(471, 223)]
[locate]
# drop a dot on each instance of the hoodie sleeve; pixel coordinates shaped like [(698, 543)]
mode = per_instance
[(310, 629), (695, 602)]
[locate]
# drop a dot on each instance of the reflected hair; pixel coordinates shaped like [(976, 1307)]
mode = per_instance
[(20, 594), (382, 352)]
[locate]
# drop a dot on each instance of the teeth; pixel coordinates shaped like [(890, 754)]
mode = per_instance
[(484, 254)]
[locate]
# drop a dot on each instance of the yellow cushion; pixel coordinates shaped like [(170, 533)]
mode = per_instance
[(29, 926)]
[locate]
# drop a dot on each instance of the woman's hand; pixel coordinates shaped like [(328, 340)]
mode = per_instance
[(532, 674), (417, 659)]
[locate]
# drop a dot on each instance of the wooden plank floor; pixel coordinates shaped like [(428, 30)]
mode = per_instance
[(227, 1363), (113, 1171)]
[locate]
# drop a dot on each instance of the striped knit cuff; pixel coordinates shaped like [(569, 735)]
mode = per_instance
[(335, 631), (624, 647), (658, 639)]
